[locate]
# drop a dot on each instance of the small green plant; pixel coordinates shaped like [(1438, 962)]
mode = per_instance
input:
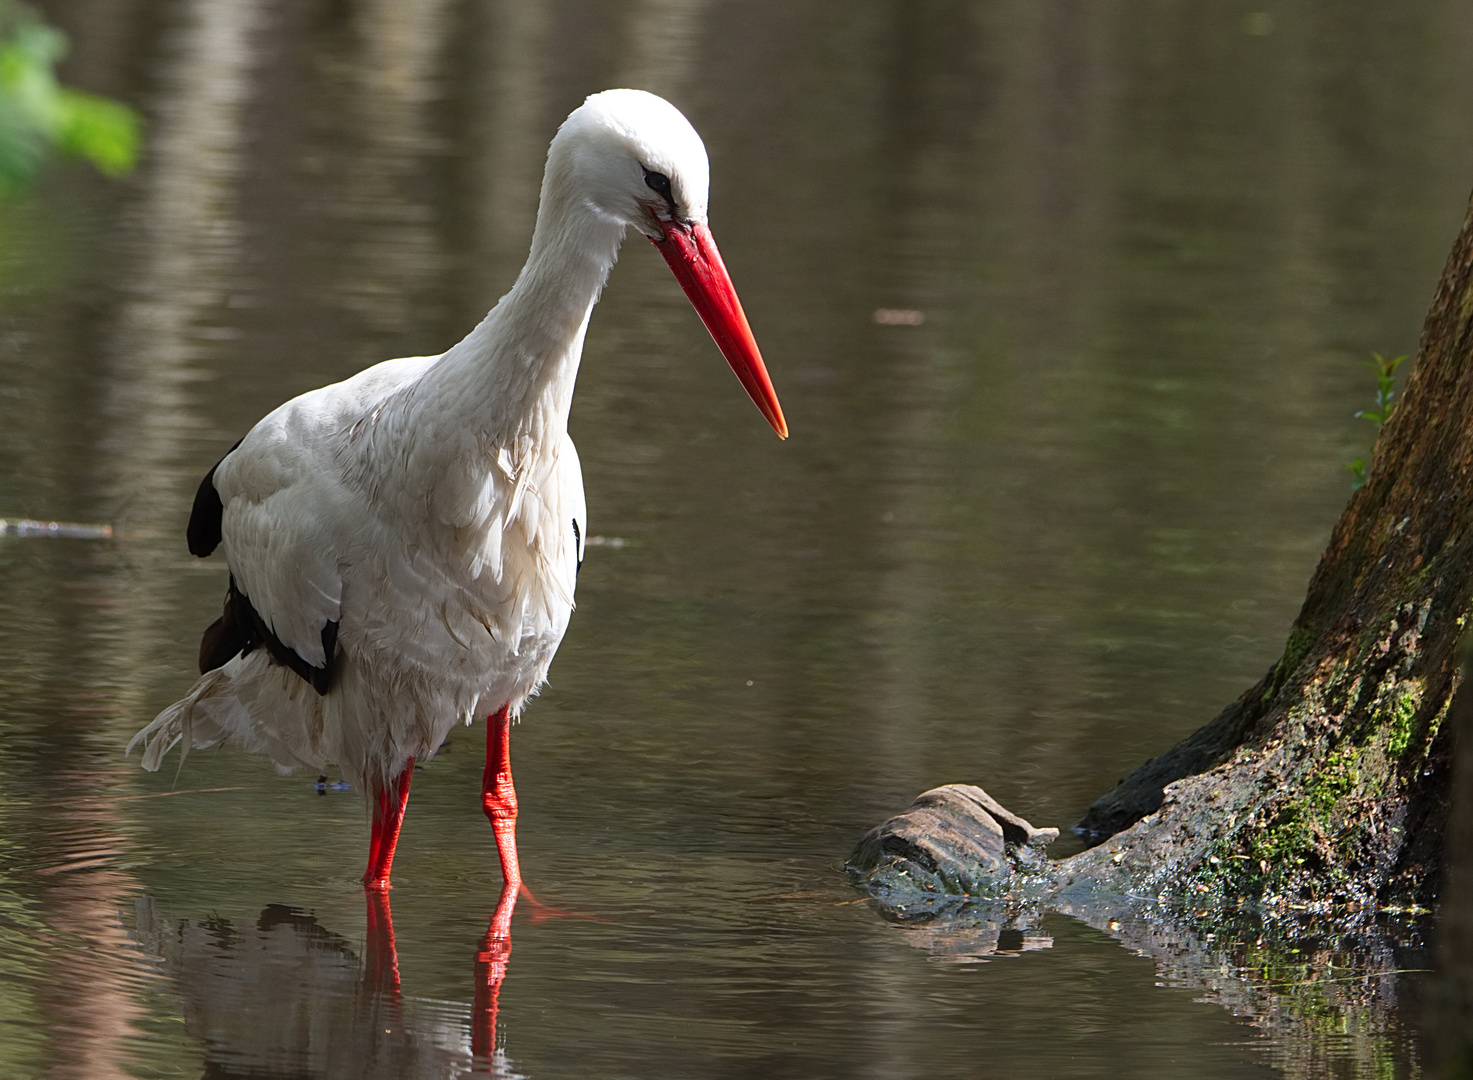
[(1385, 401), (39, 116)]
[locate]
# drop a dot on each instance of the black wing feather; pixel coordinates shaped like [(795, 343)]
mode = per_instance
[(203, 531), (240, 629)]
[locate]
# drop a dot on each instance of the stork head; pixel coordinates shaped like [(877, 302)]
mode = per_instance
[(632, 158), (636, 159)]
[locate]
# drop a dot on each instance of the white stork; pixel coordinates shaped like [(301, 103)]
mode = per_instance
[(403, 545)]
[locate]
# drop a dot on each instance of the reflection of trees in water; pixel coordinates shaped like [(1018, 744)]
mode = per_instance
[(188, 249), (287, 997), (391, 53), (87, 992), (86, 972), (1119, 213)]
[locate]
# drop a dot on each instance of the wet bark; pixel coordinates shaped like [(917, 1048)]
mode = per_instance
[(1327, 784)]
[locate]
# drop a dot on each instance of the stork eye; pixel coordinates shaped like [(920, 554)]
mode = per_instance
[(658, 182)]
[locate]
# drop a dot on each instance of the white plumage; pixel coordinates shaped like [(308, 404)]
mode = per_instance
[(450, 583), (431, 509)]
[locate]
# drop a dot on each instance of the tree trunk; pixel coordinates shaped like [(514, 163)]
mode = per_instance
[(1325, 787)]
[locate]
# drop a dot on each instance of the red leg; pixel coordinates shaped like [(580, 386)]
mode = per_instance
[(388, 815), (499, 797)]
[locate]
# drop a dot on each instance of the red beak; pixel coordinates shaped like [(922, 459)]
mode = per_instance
[(691, 252)]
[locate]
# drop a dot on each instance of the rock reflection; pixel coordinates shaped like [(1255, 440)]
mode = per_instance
[(977, 938), (287, 997)]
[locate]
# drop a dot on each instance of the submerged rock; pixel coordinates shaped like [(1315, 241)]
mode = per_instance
[(954, 845)]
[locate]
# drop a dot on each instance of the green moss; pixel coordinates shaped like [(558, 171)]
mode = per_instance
[(1286, 840), (1313, 837), (1340, 776), (1305, 842), (1437, 720), (1403, 720), (1290, 836)]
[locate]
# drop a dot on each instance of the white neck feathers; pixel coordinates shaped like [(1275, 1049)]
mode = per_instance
[(516, 369), (509, 383)]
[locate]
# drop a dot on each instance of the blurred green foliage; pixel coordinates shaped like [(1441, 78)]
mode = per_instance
[(39, 116)]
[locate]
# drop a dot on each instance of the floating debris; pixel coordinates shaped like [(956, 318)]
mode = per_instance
[(60, 530), (886, 316)]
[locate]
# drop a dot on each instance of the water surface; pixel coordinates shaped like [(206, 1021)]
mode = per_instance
[(1026, 543)]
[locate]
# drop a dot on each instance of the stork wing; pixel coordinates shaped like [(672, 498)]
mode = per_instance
[(286, 518), (280, 523)]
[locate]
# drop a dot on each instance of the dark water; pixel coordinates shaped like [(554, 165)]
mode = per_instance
[(1026, 543)]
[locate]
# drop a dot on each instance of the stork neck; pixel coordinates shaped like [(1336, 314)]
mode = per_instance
[(517, 368)]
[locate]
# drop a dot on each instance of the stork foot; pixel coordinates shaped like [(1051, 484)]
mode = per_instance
[(540, 912)]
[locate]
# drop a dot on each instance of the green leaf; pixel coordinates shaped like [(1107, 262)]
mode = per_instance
[(102, 131), (1385, 404), (39, 116), (22, 147)]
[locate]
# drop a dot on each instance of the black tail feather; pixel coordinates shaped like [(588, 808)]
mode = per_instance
[(240, 629)]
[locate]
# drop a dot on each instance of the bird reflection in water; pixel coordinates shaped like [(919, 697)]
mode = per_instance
[(287, 996), (381, 972)]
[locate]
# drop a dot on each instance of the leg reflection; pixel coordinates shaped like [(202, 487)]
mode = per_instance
[(381, 961), (381, 972), (491, 961)]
